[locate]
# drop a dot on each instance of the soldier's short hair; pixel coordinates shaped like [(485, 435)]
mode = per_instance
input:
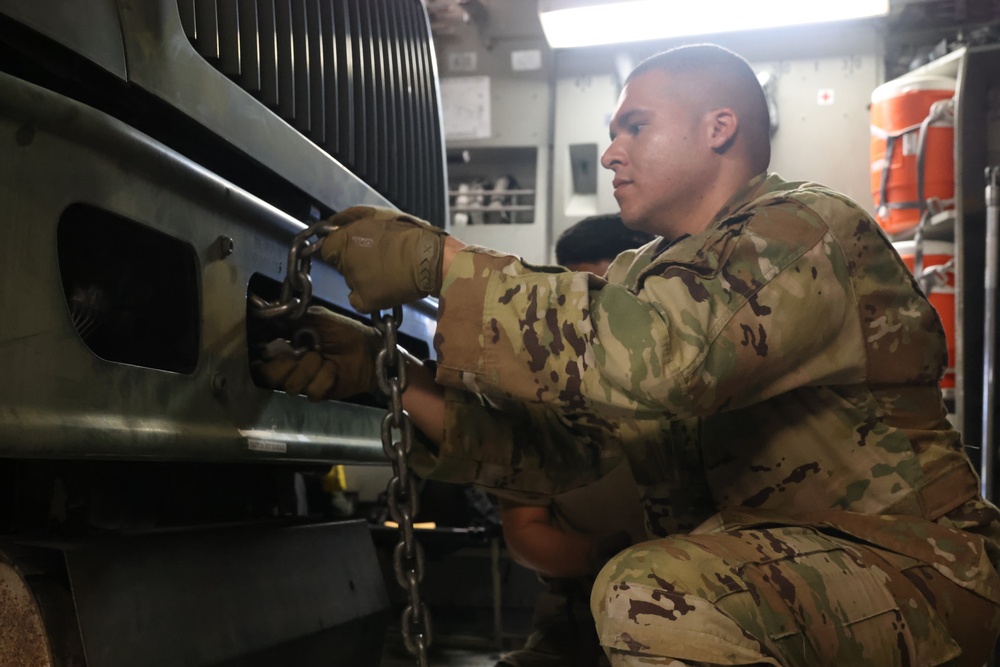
[(732, 83)]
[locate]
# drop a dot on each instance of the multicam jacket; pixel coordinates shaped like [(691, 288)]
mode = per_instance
[(781, 363)]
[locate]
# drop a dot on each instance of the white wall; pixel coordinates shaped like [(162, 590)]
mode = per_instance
[(828, 143)]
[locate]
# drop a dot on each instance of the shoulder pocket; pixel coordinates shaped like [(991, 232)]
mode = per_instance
[(701, 256)]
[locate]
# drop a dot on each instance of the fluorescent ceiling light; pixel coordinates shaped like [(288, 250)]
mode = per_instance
[(569, 23)]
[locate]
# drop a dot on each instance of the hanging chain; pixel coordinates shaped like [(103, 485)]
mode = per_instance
[(403, 496), (390, 371)]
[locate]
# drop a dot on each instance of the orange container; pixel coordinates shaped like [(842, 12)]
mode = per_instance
[(897, 111), (941, 294)]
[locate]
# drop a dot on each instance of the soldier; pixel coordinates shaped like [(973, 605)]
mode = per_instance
[(769, 368)]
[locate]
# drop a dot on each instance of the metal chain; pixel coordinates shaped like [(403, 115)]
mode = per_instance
[(402, 492), (390, 371), (296, 290)]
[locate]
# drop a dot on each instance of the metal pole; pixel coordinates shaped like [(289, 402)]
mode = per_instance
[(989, 328), (497, 592)]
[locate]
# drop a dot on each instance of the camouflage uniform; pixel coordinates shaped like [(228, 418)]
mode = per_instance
[(773, 383)]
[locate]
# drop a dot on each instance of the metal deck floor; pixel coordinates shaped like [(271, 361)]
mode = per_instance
[(446, 658)]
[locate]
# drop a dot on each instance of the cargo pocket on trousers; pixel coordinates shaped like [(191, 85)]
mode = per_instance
[(785, 595), (829, 602)]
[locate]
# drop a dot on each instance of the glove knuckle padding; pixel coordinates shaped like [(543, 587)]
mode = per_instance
[(342, 366), (323, 381), (387, 258), (343, 376), (303, 373), (349, 349), (276, 371)]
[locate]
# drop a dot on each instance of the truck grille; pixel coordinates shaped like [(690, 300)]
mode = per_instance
[(357, 77)]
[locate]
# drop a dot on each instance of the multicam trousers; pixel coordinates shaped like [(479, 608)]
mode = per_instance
[(790, 596)]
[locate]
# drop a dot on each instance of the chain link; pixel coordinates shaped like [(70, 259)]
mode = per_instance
[(390, 371), (402, 492), (296, 290)]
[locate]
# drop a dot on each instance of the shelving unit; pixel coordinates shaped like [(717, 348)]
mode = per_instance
[(977, 146), (497, 206), (492, 185), (494, 195)]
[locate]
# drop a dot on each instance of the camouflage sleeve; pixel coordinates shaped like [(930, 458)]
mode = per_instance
[(524, 452), (700, 330)]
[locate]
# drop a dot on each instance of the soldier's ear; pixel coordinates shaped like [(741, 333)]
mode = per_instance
[(722, 127)]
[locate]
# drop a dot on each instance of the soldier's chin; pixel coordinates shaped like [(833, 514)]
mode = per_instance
[(639, 223)]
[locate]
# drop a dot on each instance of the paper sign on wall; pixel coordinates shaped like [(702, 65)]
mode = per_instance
[(465, 101), (526, 61), (463, 61)]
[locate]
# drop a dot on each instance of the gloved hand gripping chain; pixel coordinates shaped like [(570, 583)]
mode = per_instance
[(403, 497)]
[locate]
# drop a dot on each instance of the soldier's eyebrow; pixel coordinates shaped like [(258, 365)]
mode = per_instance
[(621, 121)]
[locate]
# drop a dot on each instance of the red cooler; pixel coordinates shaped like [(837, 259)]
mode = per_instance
[(941, 293), (898, 109)]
